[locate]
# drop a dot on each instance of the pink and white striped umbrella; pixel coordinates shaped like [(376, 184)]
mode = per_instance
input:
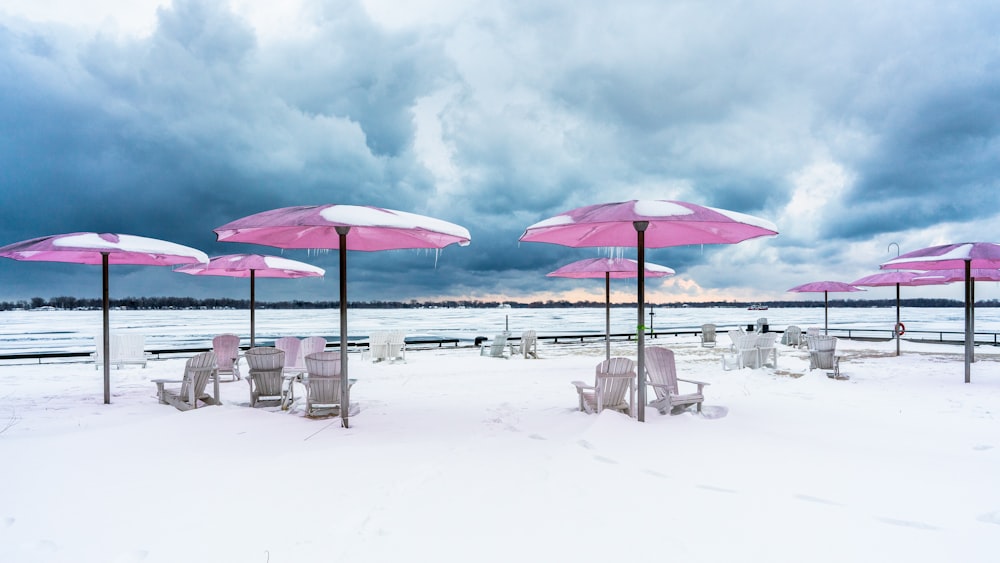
[(652, 224), (252, 266), (607, 268), (104, 249), (966, 256)]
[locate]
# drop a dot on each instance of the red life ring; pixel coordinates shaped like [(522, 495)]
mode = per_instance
[(900, 329)]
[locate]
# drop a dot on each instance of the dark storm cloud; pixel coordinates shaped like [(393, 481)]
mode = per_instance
[(840, 121)]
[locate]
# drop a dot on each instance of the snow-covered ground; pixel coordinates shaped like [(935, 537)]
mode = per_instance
[(455, 457)]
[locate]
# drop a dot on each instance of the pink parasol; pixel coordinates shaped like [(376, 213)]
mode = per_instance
[(966, 256), (825, 287), (104, 249), (893, 278), (252, 266), (344, 227), (649, 223), (607, 268), (951, 276)]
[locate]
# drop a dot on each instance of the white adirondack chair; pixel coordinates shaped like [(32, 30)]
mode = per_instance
[(743, 351), (823, 355), (793, 336), (613, 388), (497, 348), (378, 346), (312, 345), (663, 379), (266, 379), (767, 352), (227, 354), (395, 348), (123, 349), (323, 385), (294, 361), (529, 344), (197, 371), (708, 335)]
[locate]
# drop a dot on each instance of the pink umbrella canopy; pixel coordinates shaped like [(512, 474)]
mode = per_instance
[(252, 266), (931, 277), (948, 257), (884, 279), (965, 256), (344, 227), (615, 268), (646, 223), (824, 287), (370, 228), (670, 223), (104, 249), (257, 265), (90, 248), (607, 268), (893, 278)]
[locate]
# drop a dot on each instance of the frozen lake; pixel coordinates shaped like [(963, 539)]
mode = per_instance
[(73, 331)]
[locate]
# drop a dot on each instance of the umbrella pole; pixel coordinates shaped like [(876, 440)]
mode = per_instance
[(826, 312), (896, 329), (253, 330), (972, 317), (968, 321), (345, 387), (106, 343), (607, 315), (640, 228)]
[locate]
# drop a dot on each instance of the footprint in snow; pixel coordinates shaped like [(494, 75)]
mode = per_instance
[(717, 489), (585, 444), (907, 523), (537, 437), (132, 556), (819, 500), (982, 447), (990, 517)]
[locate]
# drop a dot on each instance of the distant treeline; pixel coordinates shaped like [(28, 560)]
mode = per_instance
[(71, 303)]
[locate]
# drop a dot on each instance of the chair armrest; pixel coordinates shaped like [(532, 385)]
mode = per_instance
[(166, 381), (693, 381), (581, 385)]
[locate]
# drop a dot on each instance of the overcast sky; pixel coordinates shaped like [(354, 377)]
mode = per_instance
[(851, 125)]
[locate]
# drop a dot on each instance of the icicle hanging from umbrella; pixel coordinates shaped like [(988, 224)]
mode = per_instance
[(343, 227), (252, 266), (646, 224), (103, 249)]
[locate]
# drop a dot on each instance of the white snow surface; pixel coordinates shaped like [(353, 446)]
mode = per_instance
[(455, 457), (364, 216)]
